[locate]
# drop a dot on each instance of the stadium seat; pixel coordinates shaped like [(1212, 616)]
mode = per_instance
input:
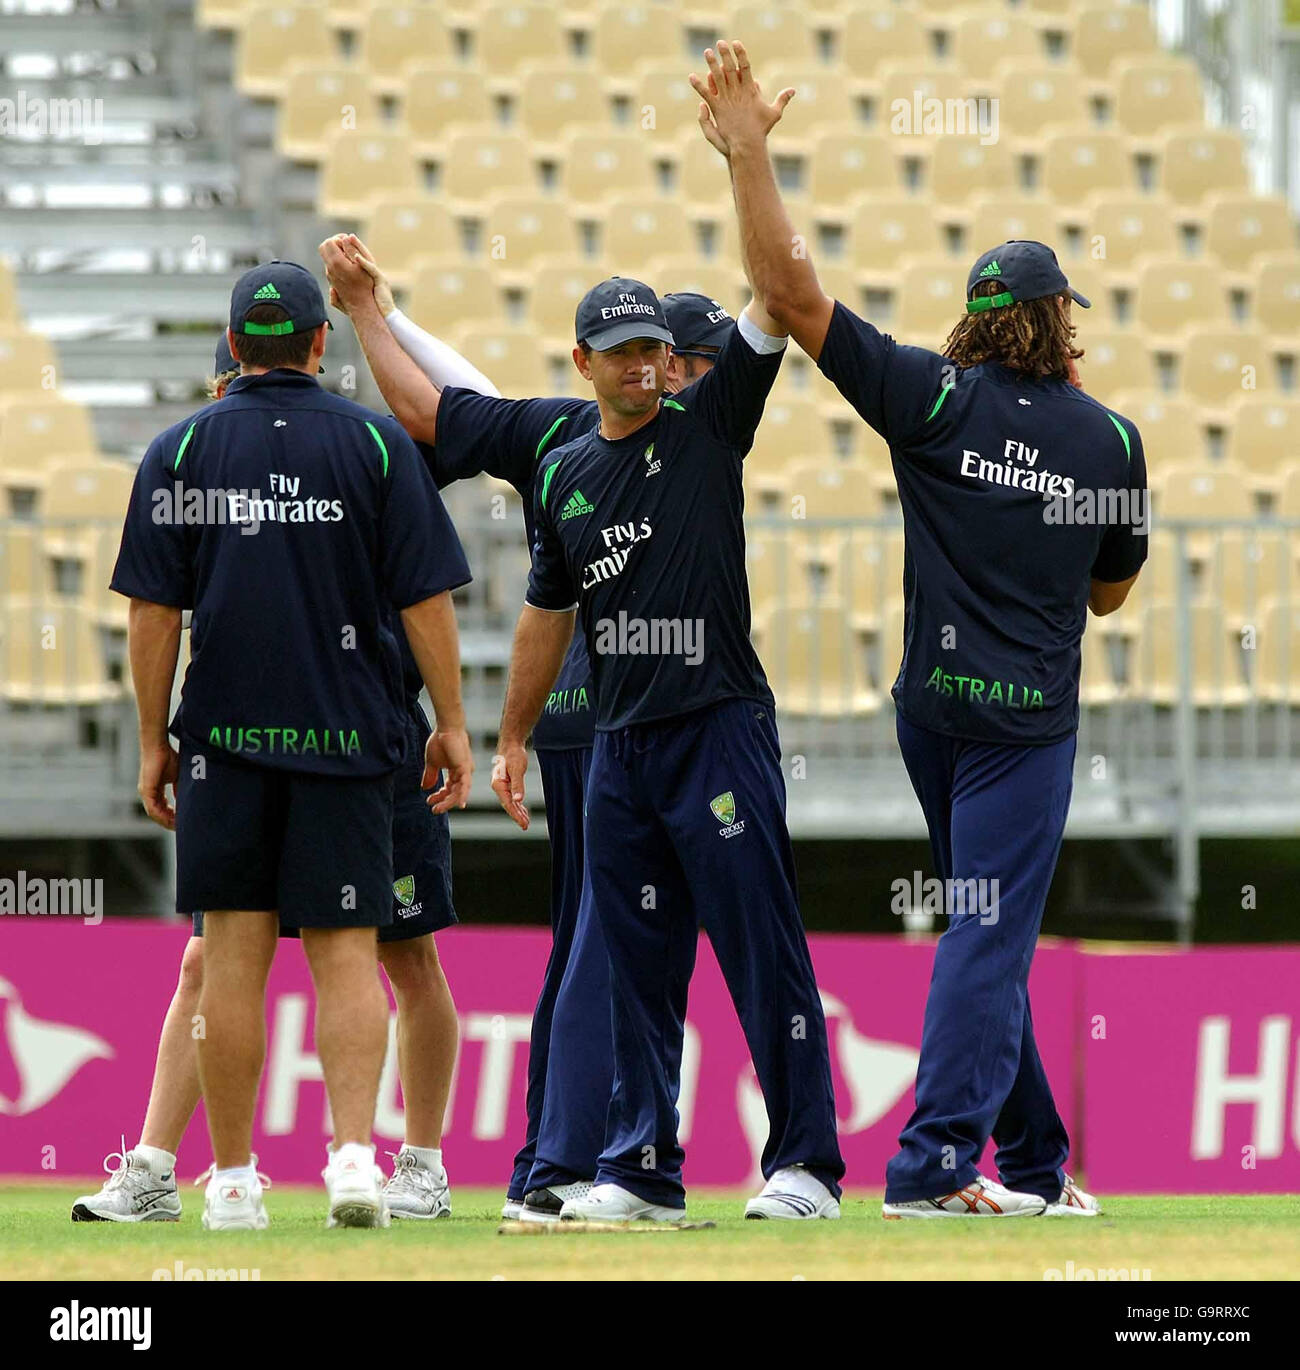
[(1274, 664), (793, 430), (774, 36), (884, 230), (1216, 667), (962, 167), (718, 279), (1265, 436), (1113, 361), (1169, 427), (822, 100), (359, 167), (626, 35), (930, 297), (556, 285), (8, 296), (864, 570), (446, 291), (1097, 683), (476, 165), (845, 163), (1124, 227), (874, 35), (1276, 292), (906, 88), (35, 433), (1031, 95), (1288, 499), (777, 573), (1173, 294), (222, 14), (1246, 568), (1220, 364), (1105, 32), (77, 494), (996, 218), (1240, 225), (395, 36), (27, 362), (439, 100), (519, 227), (989, 35), (600, 165), (51, 655), (402, 228), (24, 566), (635, 227), (318, 102), (665, 105), (1076, 162), (507, 36), (510, 357), (283, 36), (816, 662), (1198, 162), (1156, 93), (829, 489), (702, 178), (1205, 493)]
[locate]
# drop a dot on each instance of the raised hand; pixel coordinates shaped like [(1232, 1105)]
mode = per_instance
[(732, 107)]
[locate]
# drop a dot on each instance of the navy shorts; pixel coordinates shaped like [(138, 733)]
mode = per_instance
[(316, 848), (421, 890)]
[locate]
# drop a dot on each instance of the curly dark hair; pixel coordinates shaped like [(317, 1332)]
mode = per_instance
[(1033, 336)]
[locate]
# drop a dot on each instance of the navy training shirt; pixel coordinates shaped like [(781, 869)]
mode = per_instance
[(311, 520), (993, 469), (510, 439), (645, 535)]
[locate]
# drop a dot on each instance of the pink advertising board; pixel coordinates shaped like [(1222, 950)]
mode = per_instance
[(80, 1009)]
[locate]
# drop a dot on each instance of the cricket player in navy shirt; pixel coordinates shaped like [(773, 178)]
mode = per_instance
[(464, 429), (293, 523), (1002, 463), (639, 529)]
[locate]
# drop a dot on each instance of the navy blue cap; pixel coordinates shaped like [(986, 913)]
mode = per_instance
[(696, 321), (286, 284), (224, 361), (618, 310), (1026, 270)]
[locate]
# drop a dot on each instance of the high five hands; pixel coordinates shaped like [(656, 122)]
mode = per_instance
[(732, 108)]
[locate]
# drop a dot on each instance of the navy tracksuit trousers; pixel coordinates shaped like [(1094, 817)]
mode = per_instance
[(995, 813), (686, 827)]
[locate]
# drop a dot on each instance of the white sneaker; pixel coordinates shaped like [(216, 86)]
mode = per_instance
[(133, 1193), (546, 1205), (415, 1191), (355, 1185), (235, 1206), (793, 1193), (511, 1209), (610, 1203), (1074, 1203), (980, 1199)]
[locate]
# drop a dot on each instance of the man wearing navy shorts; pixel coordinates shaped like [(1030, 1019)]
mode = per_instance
[(999, 457), (293, 523), (639, 528)]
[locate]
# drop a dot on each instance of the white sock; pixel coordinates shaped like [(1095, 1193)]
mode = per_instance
[(430, 1157), (237, 1174), (358, 1152), (161, 1163)]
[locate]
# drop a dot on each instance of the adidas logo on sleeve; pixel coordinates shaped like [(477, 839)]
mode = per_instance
[(576, 506)]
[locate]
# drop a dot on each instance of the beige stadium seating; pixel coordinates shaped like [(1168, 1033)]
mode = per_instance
[(874, 35), (222, 14), (864, 570), (846, 162), (635, 227), (816, 662), (1220, 364), (1032, 95), (557, 283), (793, 434), (625, 35), (1276, 292), (1168, 424), (774, 36), (702, 178), (1156, 93), (1123, 227), (1204, 493), (930, 297), (476, 165), (519, 227), (822, 100), (1197, 162), (1105, 32), (962, 167), (1077, 162), (318, 102), (403, 227), (665, 105), (511, 357), (85, 503), (905, 89), (1113, 362), (600, 165), (51, 654), (35, 433), (1173, 294), (830, 490), (507, 36), (718, 279), (284, 35), (24, 566), (993, 34), (1288, 500), (440, 99), (998, 218), (1097, 683), (553, 99), (1265, 436), (8, 296), (1275, 676), (27, 361), (1241, 225), (1247, 567), (1217, 668), (884, 230), (777, 572), (359, 167), (396, 35), (1098, 284), (446, 291)]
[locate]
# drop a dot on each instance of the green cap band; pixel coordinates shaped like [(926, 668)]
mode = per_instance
[(989, 302), (273, 329)]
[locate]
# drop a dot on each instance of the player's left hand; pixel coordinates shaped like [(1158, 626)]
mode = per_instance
[(350, 283), (160, 766), (448, 751), (508, 767), (732, 108)]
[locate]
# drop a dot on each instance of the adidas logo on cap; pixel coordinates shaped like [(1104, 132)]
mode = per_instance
[(577, 506), (267, 292), (993, 269)]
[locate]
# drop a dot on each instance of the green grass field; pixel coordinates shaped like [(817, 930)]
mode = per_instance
[(1173, 1238)]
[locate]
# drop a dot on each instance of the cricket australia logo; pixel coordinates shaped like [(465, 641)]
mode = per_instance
[(723, 807), (404, 889), (652, 466)]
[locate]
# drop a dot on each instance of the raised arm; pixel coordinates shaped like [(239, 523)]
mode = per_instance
[(736, 119)]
